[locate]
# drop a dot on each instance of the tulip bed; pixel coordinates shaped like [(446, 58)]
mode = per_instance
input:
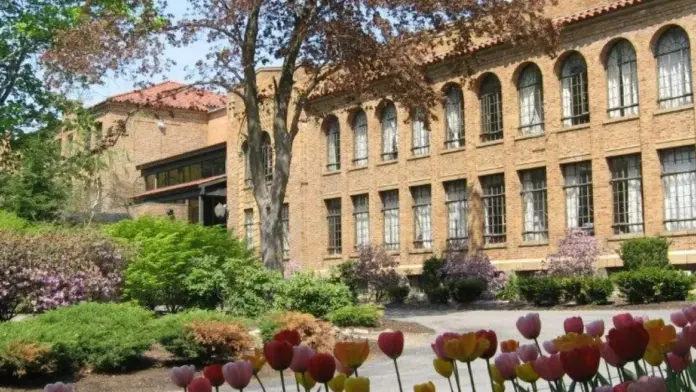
[(631, 350)]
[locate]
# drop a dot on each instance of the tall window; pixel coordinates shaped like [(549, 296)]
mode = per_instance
[(333, 218), (674, 68), (534, 206), (390, 135), (457, 229), (454, 135), (421, 133), (422, 238), (390, 215), (267, 156), (494, 208), (247, 164), (577, 179), (249, 227), (576, 101), (491, 109), (361, 216), (679, 182), (333, 145), (360, 139), (531, 101), (627, 192), (285, 223), (622, 80)]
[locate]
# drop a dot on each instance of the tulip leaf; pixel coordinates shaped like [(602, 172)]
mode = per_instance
[(602, 380), (571, 388), (692, 372), (639, 370), (628, 375)]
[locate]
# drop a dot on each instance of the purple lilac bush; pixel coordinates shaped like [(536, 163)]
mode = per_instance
[(576, 255), (477, 265)]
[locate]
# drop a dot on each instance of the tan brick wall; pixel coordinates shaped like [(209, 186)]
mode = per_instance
[(161, 210)]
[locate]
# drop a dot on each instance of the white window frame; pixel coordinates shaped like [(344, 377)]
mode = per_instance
[(574, 91), (361, 220), (673, 52), (679, 186), (248, 227), (390, 217), (622, 80), (360, 142)]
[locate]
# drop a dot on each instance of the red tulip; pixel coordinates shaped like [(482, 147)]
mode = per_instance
[(581, 363), (574, 324), (391, 343), (492, 340), (439, 345), (595, 328), (681, 347), (629, 341), (342, 369), (278, 354), (610, 356), (679, 319), (677, 362), (549, 368), (623, 387), (529, 326), (622, 320), (214, 374), (322, 367), (200, 384), (300, 358), (289, 335), (507, 364), (238, 374), (528, 353), (509, 346)]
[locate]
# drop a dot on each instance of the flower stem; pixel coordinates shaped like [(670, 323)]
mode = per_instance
[(490, 375), (326, 387), (304, 383), (260, 383), (456, 375), (449, 379), (356, 372), (398, 376), (297, 383), (471, 377), (282, 380), (611, 379), (534, 387), (536, 341)]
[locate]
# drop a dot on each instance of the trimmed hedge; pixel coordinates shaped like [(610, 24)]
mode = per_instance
[(645, 252), (399, 294), (541, 290), (585, 290), (356, 316), (307, 293), (647, 285), (467, 290)]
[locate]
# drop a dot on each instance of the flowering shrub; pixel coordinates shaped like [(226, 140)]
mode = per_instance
[(576, 255), (374, 272), (459, 265)]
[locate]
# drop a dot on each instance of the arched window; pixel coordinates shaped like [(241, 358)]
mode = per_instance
[(622, 80), (576, 100), (247, 164), (531, 94), (674, 68), (490, 97), (454, 135), (421, 133), (333, 145), (390, 135), (267, 156), (360, 139)]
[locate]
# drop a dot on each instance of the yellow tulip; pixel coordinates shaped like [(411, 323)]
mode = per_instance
[(443, 367), (498, 387), (466, 348), (662, 337), (653, 356), (357, 384), (526, 373), (338, 383), (495, 375), (572, 340), (305, 380), (257, 360), (427, 387), (352, 354)]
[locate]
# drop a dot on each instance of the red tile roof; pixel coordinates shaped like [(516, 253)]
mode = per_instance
[(172, 95), (191, 184)]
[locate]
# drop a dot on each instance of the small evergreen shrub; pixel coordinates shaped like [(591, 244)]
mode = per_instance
[(511, 291), (399, 294), (466, 290), (647, 285), (541, 290), (356, 316), (645, 252), (438, 295), (307, 293), (586, 289), (252, 287)]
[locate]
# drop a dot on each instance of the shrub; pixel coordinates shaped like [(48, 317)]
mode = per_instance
[(477, 266), (376, 269), (541, 290), (399, 294), (653, 285), (252, 287), (645, 252), (433, 272), (346, 273), (10, 221), (179, 265), (438, 295), (466, 290), (310, 294), (511, 291), (219, 340), (317, 334), (20, 358), (585, 290), (356, 316), (576, 255)]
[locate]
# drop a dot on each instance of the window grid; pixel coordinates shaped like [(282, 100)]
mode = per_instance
[(454, 135), (360, 139), (285, 223), (494, 208), (531, 101), (333, 146), (534, 205), (456, 202), (576, 106), (333, 217), (390, 215), (674, 69), (421, 134), (491, 110), (679, 184), (622, 83), (627, 192), (390, 136), (267, 156), (249, 227), (361, 218), (579, 196), (421, 217)]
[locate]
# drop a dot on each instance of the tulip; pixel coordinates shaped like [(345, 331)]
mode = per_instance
[(492, 342), (679, 319), (467, 348), (623, 387), (496, 377), (529, 326), (550, 347), (322, 367), (653, 357), (581, 363), (526, 373), (506, 363), (498, 388), (214, 374), (681, 346), (641, 319), (629, 341), (606, 388), (357, 384), (182, 376), (352, 354), (573, 340), (257, 360), (595, 328), (443, 367), (549, 368), (238, 374), (279, 354), (690, 313), (439, 345), (509, 346), (305, 380), (342, 369), (574, 324), (291, 336), (677, 363), (610, 356), (427, 387), (300, 358), (200, 384), (690, 333), (391, 343), (337, 384), (662, 337), (528, 353), (59, 387), (623, 320), (648, 384)]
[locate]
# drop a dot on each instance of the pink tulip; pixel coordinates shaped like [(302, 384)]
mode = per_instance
[(595, 328), (605, 388), (648, 384), (507, 364), (59, 387), (690, 313), (183, 375), (439, 345), (623, 320), (238, 374), (574, 324), (529, 326), (528, 353), (677, 362), (679, 319), (549, 368), (342, 369), (610, 356), (200, 384), (550, 347), (300, 359), (641, 319), (690, 333), (681, 347)]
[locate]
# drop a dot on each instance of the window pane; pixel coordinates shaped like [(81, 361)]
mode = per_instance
[(578, 191), (285, 222), (627, 193), (534, 205), (421, 217), (361, 216), (457, 228), (454, 135), (333, 217), (491, 110), (421, 134), (360, 139), (576, 107), (674, 69), (622, 80), (390, 212), (494, 208), (531, 101), (249, 227), (390, 136), (333, 146), (679, 183)]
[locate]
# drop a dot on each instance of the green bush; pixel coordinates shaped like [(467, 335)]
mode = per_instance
[(356, 316), (467, 290), (645, 252), (653, 285), (346, 273), (307, 293), (541, 290), (438, 295), (10, 221), (432, 273), (252, 287), (511, 291), (399, 294), (585, 290)]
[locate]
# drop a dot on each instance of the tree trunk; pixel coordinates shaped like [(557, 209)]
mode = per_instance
[(271, 233)]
